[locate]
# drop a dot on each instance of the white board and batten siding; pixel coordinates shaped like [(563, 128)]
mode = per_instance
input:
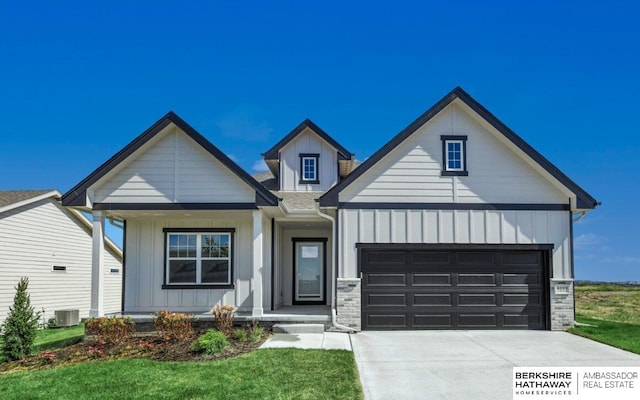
[(411, 172), (172, 168), (496, 174), (37, 236), (307, 142), (454, 227), (146, 266)]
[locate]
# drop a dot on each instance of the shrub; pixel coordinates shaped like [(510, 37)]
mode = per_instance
[(111, 330), (46, 357), (212, 342), (255, 332), (172, 325), (224, 318), (240, 334), (19, 328)]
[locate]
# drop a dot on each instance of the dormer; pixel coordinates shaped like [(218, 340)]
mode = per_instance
[(308, 160)]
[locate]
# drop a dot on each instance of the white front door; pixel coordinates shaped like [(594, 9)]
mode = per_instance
[(309, 271)]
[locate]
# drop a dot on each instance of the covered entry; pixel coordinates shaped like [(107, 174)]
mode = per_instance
[(407, 286)]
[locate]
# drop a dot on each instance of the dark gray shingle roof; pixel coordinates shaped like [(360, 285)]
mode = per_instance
[(293, 200), (8, 197)]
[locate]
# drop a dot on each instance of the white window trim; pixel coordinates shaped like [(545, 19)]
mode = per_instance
[(315, 168), (462, 166), (198, 258)]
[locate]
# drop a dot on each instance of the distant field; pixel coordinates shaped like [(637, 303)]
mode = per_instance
[(609, 302), (612, 313)]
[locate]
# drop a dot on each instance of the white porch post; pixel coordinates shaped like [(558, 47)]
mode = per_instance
[(256, 279), (97, 266)]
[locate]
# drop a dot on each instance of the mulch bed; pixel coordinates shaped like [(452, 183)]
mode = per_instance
[(151, 346)]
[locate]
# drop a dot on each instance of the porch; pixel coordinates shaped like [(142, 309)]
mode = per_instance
[(299, 314)]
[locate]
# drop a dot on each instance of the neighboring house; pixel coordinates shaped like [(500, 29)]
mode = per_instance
[(456, 223), (51, 245)]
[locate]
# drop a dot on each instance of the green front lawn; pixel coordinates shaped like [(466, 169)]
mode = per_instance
[(621, 335), (262, 374), (54, 338)]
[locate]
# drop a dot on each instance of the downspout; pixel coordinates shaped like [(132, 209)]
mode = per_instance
[(334, 321), (572, 221)]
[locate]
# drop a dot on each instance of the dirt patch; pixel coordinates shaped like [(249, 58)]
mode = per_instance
[(146, 346)]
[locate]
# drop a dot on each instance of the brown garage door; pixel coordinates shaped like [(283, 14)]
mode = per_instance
[(472, 288)]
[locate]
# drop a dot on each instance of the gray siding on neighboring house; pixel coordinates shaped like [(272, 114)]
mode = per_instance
[(305, 143), (146, 266), (172, 168), (455, 227), (37, 236), (411, 172)]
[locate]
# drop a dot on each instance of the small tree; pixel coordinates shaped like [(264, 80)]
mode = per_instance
[(19, 329)]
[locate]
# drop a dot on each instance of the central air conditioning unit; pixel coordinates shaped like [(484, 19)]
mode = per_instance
[(67, 317)]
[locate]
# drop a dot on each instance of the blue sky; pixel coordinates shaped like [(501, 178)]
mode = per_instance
[(79, 80)]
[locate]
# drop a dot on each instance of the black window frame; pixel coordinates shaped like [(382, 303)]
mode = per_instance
[(445, 165), (315, 156), (199, 231)]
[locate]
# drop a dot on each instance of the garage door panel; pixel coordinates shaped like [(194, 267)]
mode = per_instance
[(432, 321), (476, 258), (476, 300), (456, 289), (421, 279), (389, 321), (523, 299), (377, 279), (386, 300), (433, 299), (514, 321), (477, 320), (476, 279), (521, 258), (386, 257), (432, 257), (521, 279)]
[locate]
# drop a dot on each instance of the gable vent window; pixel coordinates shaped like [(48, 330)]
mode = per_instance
[(309, 168), (454, 156)]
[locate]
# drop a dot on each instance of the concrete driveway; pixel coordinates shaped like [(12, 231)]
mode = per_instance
[(467, 364)]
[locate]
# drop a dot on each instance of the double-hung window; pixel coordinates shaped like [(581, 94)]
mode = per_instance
[(309, 168), (198, 257), (454, 157)]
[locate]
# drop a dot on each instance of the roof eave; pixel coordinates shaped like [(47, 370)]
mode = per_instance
[(273, 152), (330, 198), (77, 195), (51, 194)]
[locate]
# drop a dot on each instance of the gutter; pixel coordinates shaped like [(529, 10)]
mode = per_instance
[(334, 321)]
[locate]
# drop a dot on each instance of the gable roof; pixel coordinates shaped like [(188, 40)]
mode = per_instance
[(76, 196), (584, 200), (12, 199), (272, 153)]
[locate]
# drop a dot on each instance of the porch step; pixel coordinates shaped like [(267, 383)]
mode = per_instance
[(298, 328)]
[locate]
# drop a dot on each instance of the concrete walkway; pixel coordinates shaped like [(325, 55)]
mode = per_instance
[(468, 364), (325, 341)]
